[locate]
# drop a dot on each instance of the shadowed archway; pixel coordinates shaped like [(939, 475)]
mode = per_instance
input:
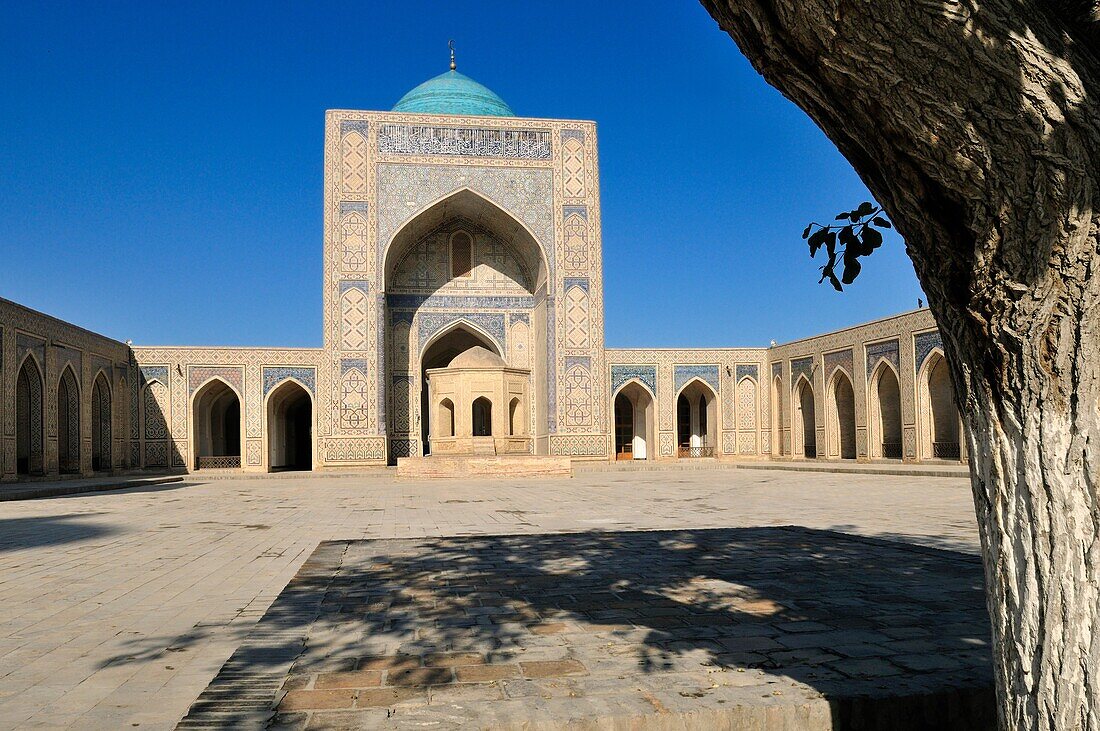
[(463, 248)]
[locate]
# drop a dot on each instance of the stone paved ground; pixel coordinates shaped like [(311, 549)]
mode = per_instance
[(743, 627), (117, 609)]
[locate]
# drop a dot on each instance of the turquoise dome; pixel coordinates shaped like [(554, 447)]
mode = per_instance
[(453, 93)]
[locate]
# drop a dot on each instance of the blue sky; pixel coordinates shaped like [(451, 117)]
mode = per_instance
[(160, 166)]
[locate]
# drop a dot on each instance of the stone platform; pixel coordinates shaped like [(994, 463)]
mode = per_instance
[(741, 628), (466, 466)]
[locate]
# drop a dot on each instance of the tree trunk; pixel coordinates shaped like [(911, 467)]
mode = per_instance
[(977, 126)]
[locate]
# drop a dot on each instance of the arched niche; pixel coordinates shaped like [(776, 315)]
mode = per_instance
[(216, 416), (634, 409), (884, 413), (289, 415), (696, 420), (941, 428), (804, 423), (463, 247), (444, 347), (842, 415), (29, 419), (101, 424), (777, 416), (68, 422)]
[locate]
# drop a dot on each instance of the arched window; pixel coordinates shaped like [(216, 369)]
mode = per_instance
[(462, 254), (483, 417), (515, 418), (101, 424), (29, 434), (68, 423), (289, 428), (885, 414), (842, 405), (217, 424), (806, 419), (446, 418)]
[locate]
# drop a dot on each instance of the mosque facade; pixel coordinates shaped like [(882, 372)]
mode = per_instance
[(463, 311)]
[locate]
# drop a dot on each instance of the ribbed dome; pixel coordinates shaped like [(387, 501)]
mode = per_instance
[(477, 357), (453, 93)]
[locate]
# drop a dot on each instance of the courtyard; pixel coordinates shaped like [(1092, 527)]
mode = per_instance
[(120, 608)]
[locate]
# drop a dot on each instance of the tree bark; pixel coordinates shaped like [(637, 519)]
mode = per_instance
[(977, 126)]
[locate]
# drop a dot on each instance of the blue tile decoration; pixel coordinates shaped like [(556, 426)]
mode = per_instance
[(459, 302), (346, 364), (397, 316), (431, 323), (347, 207), (681, 374), (748, 370), (415, 139), (572, 134), (777, 370), (647, 374), (924, 344), (361, 284), (802, 367), (842, 358), (567, 211), (154, 373), (273, 376), (577, 360), (353, 125), (514, 317), (581, 282), (877, 351)]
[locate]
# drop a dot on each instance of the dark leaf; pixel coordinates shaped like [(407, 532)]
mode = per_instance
[(807, 231), (872, 239), (881, 222), (848, 238), (830, 244), (843, 216), (865, 209), (816, 240), (835, 282), (851, 269)]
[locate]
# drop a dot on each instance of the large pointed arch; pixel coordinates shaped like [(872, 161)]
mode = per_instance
[(461, 323), (290, 421), (102, 454), (420, 286), (697, 427), (475, 206), (634, 409), (884, 412), (803, 418), (840, 403), (30, 433), (68, 421), (940, 425), (217, 419)]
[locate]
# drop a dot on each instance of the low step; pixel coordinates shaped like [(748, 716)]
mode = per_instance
[(517, 466)]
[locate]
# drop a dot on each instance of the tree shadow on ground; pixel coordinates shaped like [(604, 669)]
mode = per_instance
[(855, 619), (17, 534)]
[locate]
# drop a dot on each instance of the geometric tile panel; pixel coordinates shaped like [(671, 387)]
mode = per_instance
[(802, 367), (878, 351), (647, 374), (925, 343), (197, 375), (275, 375), (684, 373)]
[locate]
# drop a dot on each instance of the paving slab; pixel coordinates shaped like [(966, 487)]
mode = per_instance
[(671, 667), (124, 605)]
